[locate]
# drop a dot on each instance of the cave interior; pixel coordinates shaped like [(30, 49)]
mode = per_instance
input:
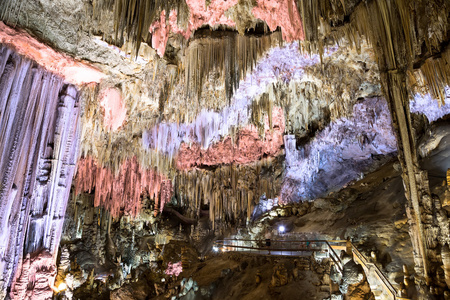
[(224, 149)]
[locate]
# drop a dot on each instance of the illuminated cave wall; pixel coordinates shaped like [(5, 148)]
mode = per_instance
[(39, 141), (344, 151)]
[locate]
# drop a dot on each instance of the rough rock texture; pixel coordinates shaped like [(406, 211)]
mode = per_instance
[(338, 154), (39, 142), (248, 146), (114, 106), (35, 279), (71, 70), (282, 13)]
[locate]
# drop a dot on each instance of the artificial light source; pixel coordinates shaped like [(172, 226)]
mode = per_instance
[(215, 249), (281, 229), (62, 286)]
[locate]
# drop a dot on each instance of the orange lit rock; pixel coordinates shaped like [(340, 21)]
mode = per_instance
[(121, 191), (248, 147), (115, 110), (71, 70)]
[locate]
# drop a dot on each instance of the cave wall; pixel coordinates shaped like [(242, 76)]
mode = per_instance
[(39, 142)]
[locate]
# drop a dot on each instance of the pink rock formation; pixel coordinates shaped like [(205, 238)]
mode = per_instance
[(115, 110), (35, 279), (160, 34), (121, 191), (72, 71), (174, 269), (38, 134), (166, 194), (247, 148), (283, 13), (200, 15)]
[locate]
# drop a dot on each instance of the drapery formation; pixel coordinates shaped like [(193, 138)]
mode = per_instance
[(38, 140)]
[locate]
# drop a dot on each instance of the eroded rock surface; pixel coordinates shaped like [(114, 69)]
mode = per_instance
[(39, 143)]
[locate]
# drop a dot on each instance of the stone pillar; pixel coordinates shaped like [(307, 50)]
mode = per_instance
[(415, 180)]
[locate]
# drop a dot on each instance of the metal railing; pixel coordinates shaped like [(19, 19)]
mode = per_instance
[(370, 269), (307, 247), (281, 247), (369, 266)]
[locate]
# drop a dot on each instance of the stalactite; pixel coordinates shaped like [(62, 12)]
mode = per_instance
[(249, 147), (232, 54), (110, 148), (229, 190), (211, 126), (132, 19), (121, 191), (344, 147), (431, 107), (434, 74), (39, 142)]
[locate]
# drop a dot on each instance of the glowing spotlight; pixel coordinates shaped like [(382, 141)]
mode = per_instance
[(281, 229), (62, 287), (215, 249)]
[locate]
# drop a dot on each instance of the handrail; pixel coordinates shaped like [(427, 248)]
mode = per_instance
[(272, 249), (311, 246), (339, 265), (390, 288)]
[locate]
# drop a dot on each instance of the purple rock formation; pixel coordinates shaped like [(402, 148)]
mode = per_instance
[(284, 63), (38, 152), (425, 104), (338, 154)]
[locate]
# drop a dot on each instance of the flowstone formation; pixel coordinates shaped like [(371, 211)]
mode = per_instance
[(39, 141), (137, 134)]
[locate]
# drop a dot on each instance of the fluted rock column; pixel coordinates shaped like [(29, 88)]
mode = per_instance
[(38, 152)]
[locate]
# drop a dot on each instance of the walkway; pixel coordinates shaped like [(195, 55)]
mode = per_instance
[(379, 284)]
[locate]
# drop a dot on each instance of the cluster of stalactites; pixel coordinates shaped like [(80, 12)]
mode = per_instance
[(434, 75), (245, 147), (230, 53), (133, 18), (230, 191), (122, 191), (422, 25)]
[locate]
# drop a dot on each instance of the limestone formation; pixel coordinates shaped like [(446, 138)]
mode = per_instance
[(140, 138)]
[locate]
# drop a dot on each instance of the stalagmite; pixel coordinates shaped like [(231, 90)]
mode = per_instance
[(446, 263)]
